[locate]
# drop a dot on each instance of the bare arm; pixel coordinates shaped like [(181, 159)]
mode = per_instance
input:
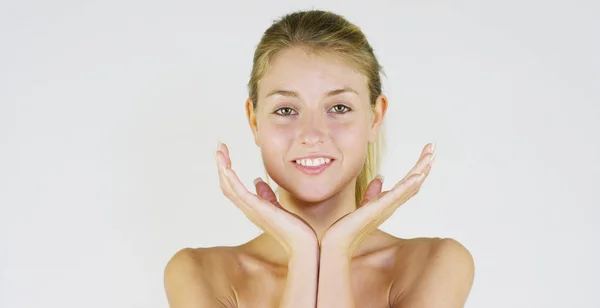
[(446, 280), (335, 287), (301, 282), (189, 282)]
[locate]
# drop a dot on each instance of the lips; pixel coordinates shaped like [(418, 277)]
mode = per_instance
[(313, 166)]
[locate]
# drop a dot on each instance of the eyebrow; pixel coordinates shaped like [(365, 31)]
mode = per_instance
[(296, 94)]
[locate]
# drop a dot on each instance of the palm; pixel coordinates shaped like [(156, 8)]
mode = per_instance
[(377, 206), (262, 208)]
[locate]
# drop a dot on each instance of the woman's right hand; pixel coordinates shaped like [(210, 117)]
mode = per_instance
[(291, 231)]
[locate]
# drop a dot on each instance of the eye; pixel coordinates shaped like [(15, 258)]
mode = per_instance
[(340, 109), (284, 111)]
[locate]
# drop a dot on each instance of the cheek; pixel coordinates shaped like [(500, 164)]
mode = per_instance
[(352, 141), (275, 142), (273, 137), (350, 136)]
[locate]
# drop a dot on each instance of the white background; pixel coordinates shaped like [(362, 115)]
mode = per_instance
[(110, 112)]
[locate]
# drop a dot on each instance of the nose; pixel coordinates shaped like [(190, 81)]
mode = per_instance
[(312, 130)]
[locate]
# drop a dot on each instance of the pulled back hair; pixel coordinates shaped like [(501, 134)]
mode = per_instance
[(324, 33)]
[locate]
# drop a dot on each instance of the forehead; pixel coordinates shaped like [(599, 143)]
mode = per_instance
[(310, 74)]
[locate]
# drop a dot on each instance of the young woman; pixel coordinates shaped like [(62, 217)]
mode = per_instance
[(316, 110)]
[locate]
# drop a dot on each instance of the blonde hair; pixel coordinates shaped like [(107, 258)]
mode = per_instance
[(326, 33)]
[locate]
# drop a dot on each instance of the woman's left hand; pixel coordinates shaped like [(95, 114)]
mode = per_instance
[(346, 234)]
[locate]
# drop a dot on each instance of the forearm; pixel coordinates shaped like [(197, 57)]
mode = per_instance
[(335, 285), (301, 282)]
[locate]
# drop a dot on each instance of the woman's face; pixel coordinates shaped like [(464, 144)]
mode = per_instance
[(313, 123)]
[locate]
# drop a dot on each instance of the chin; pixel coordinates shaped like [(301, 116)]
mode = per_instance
[(313, 191), (312, 196)]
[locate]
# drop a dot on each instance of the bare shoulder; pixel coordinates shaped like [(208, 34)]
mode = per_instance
[(434, 272), (200, 277)]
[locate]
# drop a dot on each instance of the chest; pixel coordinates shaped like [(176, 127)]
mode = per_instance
[(370, 287)]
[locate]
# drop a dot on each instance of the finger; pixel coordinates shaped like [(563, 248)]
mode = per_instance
[(424, 163), (237, 198), (225, 163), (387, 202), (426, 156), (264, 191), (228, 191), (224, 184), (225, 150), (248, 199), (405, 190), (373, 189)]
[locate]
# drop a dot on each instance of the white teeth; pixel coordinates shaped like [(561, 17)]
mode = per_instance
[(313, 162)]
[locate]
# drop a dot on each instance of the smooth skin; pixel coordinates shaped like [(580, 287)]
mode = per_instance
[(317, 249)]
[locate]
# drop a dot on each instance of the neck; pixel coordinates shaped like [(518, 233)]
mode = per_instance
[(322, 214)]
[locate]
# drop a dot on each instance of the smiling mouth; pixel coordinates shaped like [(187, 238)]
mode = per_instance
[(313, 166), (313, 162)]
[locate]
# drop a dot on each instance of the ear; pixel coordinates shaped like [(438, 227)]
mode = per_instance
[(379, 111), (251, 115)]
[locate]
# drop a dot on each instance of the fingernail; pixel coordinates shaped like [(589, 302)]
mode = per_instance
[(433, 147), (432, 157), (257, 180), (380, 177), (218, 145)]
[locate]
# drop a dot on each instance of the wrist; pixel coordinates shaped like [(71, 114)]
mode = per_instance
[(334, 250), (304, 254)]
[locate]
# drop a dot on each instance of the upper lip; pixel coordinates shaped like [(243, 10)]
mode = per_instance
[(312, 156)]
